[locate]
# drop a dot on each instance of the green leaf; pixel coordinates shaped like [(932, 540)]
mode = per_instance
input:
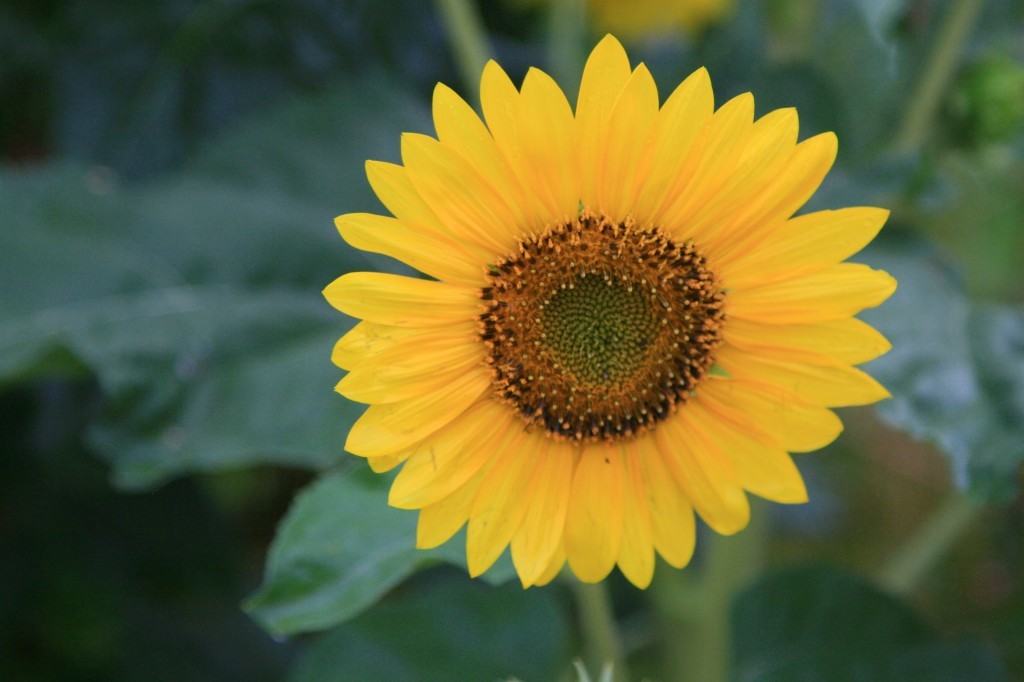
[(954, 370), (339, 549), (211, 411), (195, 301), (833, 60), (852, 49), (441, 630), (140, 89), (815, 623), (997, 349)]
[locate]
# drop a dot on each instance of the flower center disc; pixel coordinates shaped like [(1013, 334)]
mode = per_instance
[(597, 330)]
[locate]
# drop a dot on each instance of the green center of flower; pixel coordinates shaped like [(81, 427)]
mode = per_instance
[(598, 328)]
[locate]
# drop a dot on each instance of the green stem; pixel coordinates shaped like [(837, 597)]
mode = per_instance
[(566, 34), (597, 623), (468, 39), (929, 544), (695, 613), (938, 70)]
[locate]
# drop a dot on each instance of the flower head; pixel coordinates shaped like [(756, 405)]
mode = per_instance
[(643, 17), (625, 323)]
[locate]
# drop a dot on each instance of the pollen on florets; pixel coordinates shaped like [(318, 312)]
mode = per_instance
[(597, 330)]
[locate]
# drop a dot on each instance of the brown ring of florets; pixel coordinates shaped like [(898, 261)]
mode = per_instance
[(596, 330)]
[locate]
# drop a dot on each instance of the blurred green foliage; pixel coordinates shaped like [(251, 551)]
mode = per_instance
[(171, 174), (338, 551), (196, 298), (821, 624), (443, 629)]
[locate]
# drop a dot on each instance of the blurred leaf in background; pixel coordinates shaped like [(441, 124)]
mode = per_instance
[(820, 624), (954, 368), (195, 299), (442, 629), (141, 87), (340, 550)]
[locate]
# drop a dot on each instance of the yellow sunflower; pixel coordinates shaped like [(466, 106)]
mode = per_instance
[(625, 323), (641, 17)]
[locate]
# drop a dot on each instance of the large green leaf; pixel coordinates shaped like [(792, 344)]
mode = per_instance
[(143, 87), (954, 370), (339, 549), (813, 48), (819, 624), (195, 301), (997, 349), (443, 630)]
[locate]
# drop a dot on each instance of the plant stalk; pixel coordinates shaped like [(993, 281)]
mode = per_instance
[(695, 611), (468, 39), (938, 71), (929, 544), (566, 34), (597, 623)]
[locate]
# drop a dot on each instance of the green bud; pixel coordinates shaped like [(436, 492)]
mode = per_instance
[(988, 100)]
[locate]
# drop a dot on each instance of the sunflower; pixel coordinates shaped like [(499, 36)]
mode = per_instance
[(642, 17), (624, 324)]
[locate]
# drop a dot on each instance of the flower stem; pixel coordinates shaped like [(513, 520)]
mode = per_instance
[(695, 612), (597, 623), (566, 34), (468, 39), (938, 70), (930, 543)]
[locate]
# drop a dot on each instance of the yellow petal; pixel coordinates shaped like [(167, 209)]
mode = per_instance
[(458, 195), (391, 237), (387, 429), (673, 528), (420, 372), (846, 340), (680, 121), (401, 301), (712, 164), (459, 128), (831, 294), (446, 460), (553, 568), (383, 464), (793, 186), (390, 182), (629, 131), (593, 526), (369, 343), (764, 156), (636, 553), (773, 134), (346, 353), (441, 520), (705, 474), (797, 426), (547, 501), (829, 385), (765, 470), (605, 74), (804, 244), (545, 136), (500, 102), (499, 507)]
